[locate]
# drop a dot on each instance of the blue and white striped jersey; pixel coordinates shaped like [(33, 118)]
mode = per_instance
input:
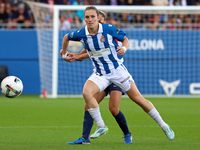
[(102, 47)]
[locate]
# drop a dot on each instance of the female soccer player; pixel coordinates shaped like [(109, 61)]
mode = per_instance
[(114, 101), (106, 57)]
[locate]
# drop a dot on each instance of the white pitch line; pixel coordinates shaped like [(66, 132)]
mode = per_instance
[(135, 126)]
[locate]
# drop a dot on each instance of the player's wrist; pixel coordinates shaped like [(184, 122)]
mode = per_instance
[(64, 55), (124, 48)]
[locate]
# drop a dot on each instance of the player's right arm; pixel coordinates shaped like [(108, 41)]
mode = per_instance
[(63, 52), (65, 44), (74, 36)]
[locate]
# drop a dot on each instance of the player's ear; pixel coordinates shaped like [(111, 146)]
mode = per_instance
[(98, 18)]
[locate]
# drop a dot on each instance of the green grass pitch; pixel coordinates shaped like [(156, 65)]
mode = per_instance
[(32, 123)]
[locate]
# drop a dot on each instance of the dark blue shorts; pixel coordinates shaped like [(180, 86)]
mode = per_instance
[(113, 87)]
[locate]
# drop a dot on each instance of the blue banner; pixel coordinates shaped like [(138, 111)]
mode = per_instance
[(164, 62), (160, 61)]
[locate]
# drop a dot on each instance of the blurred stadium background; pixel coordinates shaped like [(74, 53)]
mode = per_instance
[(164, 47), (164, 52)]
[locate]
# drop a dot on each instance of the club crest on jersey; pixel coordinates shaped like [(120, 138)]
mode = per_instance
[(102, 39)]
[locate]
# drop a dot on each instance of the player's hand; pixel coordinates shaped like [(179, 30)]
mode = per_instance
[(70, 57), (61, 52), (121, 51)]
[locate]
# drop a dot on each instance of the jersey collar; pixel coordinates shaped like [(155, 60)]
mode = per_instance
[(99, 31)]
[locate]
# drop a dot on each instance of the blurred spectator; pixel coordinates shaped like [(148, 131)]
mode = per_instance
[(162, 17), (172, 23), (189, 24), (42, 1), (58, 2), (113, 2), (27, 24), (180, 22), (123, 21), (66, 2), (64, 24), (191, 2), (68, 14), (113, 15), (85, 2), (79, 13), (156, 22), (5, 11), (11, 25), (127, 2), (138, 19), (13, 4), (19, 16), (106, 2), (197, 2), (121, 2), (157, 25), (177, 3), (124, 18), (197, 21), (15, 13), (130, 2), (72, 1), (112, 21), (62, 2), (130, 18), (96, 2), (141, 2), (77, 23), (181, 18), (51, 2), (160, 2)]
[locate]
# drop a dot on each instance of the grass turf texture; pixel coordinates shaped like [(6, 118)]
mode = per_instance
[(30, 123)]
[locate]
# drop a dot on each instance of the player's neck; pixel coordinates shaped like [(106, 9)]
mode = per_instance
[(93, 31)]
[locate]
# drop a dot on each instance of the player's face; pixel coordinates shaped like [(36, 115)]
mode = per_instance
[(91, 18), (101, 19)]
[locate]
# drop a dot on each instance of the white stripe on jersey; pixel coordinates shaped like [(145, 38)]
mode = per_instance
[(111, 45), (101, 45), (91, 46)]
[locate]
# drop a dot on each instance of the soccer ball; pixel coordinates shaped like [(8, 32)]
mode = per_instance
[(11, 86)]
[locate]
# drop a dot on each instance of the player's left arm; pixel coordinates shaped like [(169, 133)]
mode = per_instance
[(120, 36), (82, 55), (75, 56), (125, 44)]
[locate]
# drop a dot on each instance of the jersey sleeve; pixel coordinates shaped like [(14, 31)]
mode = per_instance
[(118, 34), (74, 36)]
